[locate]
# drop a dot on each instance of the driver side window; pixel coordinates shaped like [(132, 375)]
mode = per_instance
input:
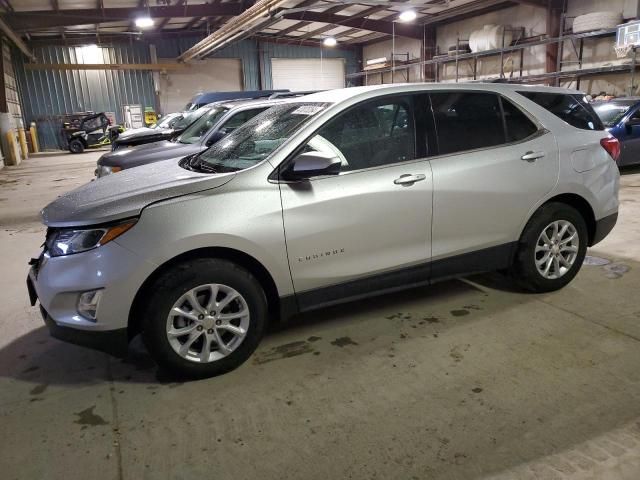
[(369, 135)]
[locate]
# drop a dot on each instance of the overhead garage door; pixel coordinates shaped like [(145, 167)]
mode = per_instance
[(307, 73), (210, 75)]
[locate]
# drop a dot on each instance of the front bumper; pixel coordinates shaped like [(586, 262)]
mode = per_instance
[(58, 282), (113, 342)]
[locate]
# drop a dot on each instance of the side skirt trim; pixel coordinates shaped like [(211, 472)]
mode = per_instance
[(488, 259)]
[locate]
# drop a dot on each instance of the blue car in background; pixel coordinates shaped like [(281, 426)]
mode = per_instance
[(621, 117)]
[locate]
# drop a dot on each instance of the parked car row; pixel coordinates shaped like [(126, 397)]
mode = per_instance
[(319, 200), (190, 133), (214, 122)]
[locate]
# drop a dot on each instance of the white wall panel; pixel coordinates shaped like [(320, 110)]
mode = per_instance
[(307, 73)]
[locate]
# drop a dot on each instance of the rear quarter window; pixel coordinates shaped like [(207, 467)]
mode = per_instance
[(572, 108)]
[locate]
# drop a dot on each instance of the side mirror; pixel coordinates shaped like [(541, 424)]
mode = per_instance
[(312, 164), (219, 135)]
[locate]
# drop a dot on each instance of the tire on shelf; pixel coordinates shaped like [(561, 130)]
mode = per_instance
[(596, 21)]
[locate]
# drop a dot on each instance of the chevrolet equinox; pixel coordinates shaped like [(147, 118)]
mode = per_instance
[(323, 199)]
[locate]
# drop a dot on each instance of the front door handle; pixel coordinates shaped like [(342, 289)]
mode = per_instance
[(408, 179), (532, 156)]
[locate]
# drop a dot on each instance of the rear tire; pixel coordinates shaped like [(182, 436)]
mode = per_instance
[(213, 347), (76, 146), (551, 249)]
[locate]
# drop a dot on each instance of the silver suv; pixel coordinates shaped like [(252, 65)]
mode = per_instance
[(325, 199)]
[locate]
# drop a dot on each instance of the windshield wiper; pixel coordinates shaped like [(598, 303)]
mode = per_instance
[(196, 164)]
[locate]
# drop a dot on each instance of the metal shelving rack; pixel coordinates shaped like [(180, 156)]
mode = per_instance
[(575, 38)]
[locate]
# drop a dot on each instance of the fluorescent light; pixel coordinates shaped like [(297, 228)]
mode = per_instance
[(407, 16), (144, 22), (330, 42), (373, 61)]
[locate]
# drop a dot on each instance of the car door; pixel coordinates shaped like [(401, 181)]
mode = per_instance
[(629, 135), (368, 228), (494, 164)]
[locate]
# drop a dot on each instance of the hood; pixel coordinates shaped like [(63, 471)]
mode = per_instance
[(125, 194), (148, 153), (143, 135), (137, 131)]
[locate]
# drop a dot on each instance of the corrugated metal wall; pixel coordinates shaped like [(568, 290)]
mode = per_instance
[(245, 50), (252, 53), (49, 93), (46, 94)]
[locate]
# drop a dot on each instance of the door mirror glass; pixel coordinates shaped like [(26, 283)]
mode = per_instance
[(313, 164), (215, 136)]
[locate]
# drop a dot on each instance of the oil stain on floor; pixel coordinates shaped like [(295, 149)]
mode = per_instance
[(343, 342), (87, 417), (287, 350)]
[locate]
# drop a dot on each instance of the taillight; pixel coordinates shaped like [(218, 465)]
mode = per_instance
[(612, 146)]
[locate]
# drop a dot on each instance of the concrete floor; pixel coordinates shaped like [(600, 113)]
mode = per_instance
[(463, 380)]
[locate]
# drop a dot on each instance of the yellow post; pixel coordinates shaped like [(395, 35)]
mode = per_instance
[(13, 156), (23, 143), (34, 137)]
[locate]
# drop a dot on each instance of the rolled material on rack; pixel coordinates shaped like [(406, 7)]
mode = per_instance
[(596, 21), (490, 37)]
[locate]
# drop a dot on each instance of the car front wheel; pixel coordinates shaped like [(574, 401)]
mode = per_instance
[(551, 249), (204, 318)]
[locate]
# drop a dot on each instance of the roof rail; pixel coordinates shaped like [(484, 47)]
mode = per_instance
[(292, 94)]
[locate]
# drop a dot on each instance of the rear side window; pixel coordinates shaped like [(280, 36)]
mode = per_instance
[(519, 126), (573, 109), (467, 121)]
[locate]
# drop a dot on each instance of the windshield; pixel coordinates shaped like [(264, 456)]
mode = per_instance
[(167, 121), (189, 117), (258, 138), (611, 113), (201, 126)]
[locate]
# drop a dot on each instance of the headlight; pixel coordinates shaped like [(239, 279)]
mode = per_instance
[(103, 170), (68, 241)]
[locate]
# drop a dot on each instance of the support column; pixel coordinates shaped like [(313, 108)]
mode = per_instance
[(555, 9), (4, 108), (429, 49)]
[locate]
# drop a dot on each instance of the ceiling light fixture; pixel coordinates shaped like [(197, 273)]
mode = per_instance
[(144, 22), (329, 42), (407, 16)]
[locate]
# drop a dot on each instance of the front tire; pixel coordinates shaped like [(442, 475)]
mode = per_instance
[(205, 317), (551, 249), (76, 146)]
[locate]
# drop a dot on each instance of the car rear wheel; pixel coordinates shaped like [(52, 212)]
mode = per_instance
[(551, 249), (204, 318), (76, 146)]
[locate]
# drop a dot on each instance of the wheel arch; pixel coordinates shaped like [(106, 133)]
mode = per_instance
[(580, 204), (243, 259)]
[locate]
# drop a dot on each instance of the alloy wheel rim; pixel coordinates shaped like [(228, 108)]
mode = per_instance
[(207, 323), (556, 249)]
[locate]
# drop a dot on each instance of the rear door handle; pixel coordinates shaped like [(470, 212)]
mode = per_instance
[(532, 156), (408, 179)]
